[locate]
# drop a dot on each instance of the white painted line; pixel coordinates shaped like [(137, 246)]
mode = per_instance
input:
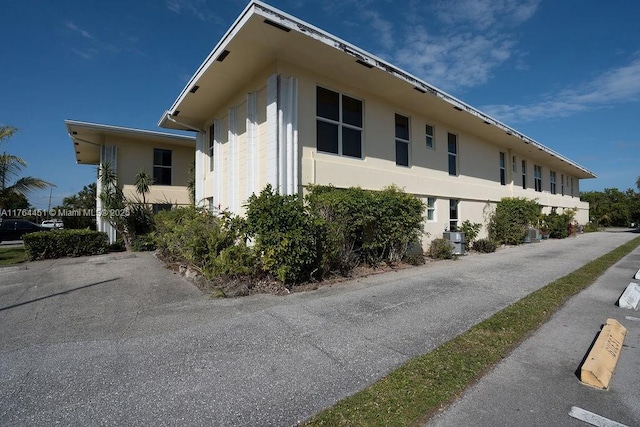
[(636, 319), (593, 419)]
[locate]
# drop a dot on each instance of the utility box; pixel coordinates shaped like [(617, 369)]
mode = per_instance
[(532, 236), (456, 239)]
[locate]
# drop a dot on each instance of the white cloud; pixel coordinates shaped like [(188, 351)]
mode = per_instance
[(484, 14), (70, 25), (615, 86), (197, 8)]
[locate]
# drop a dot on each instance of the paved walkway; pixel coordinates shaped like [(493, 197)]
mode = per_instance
[(115, 341)]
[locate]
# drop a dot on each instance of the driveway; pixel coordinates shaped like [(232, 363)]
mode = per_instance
[(118, 339)]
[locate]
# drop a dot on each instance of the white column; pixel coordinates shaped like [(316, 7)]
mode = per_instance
[(232, 182), (288, 135), (272, 131), (217, 165), (201, 164), (108, 157), (252, 130)]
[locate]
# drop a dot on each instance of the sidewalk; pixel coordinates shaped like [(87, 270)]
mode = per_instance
[(537, 384), (124, 341)]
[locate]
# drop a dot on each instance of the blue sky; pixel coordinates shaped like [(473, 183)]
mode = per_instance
[(564, 72)]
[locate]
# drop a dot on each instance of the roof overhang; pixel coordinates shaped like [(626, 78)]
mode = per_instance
[(88, 137), (262, 36)]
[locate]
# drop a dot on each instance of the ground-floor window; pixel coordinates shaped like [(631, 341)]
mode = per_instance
[(453, 214), (431, 208)]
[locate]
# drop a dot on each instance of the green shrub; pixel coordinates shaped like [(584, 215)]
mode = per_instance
[(192, 235), (591, 227), (362, 225), (143, 243), (287, 237), (61, 243), (512, 218), (485, 245), (470, 230), (441, 249), (117, 246), (233, 261), (558, 225)]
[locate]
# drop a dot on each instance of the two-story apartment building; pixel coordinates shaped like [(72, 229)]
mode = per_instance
[(166, 157), (280, 101)]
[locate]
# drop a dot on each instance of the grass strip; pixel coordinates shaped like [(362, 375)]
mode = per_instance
[(416, 390), (12, 255)]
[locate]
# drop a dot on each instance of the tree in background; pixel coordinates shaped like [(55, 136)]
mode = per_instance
[(612, 207), (83, 201), (11, 184)]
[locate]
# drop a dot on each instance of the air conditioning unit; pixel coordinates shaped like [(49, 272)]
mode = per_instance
[(533, 236)]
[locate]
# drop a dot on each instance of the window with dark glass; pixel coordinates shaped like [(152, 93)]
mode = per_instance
[(537, 177), (428, 130), (552, 182), (161, 166), (431, 208), (452, 144), (453, 215), (338, 124), (503, 170), (524, 175), (402, 140)]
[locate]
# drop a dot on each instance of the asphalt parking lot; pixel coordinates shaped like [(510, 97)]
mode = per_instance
[(118, 339)]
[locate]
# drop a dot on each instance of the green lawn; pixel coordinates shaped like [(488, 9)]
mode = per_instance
[(416, 390), (12, 255)]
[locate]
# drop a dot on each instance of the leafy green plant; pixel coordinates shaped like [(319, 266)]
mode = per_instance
[(471, 231), (287, 237), (62, 243), (511, 219), (441, 249), (558, 225), (485, 245)]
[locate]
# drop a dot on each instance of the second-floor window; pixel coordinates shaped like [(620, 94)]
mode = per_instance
[(452, 144), (429, 135), (552, 182), (402, 140), (339, 123), (161, 166), (537, 177), (503, 170), (524, 175)]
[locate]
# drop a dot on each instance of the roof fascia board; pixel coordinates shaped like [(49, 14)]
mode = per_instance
[(125, 130)]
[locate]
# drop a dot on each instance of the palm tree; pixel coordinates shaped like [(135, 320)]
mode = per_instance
[(10, 168), (143, 182)]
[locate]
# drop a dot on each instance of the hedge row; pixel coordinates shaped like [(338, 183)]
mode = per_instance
[(62, 243)]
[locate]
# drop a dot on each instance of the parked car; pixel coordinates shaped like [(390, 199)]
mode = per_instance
[(14, 229), (53, 223)]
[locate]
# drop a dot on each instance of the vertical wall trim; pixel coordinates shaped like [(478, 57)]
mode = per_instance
[(252, 130), (288, 135), (108, 155), (272, 131), (201, 158), (232, 182), (217, 166)]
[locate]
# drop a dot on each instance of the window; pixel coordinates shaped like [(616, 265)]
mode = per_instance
[(212, 141), (402, 140), (562, 184), (428, 130), (339, 123), (431, 208), (161, 166), (503, 170), (452, 143), (537, 177), (572, 193), (453, 215), (552, 182), (524, 175), (514, 166), (159, 207)]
